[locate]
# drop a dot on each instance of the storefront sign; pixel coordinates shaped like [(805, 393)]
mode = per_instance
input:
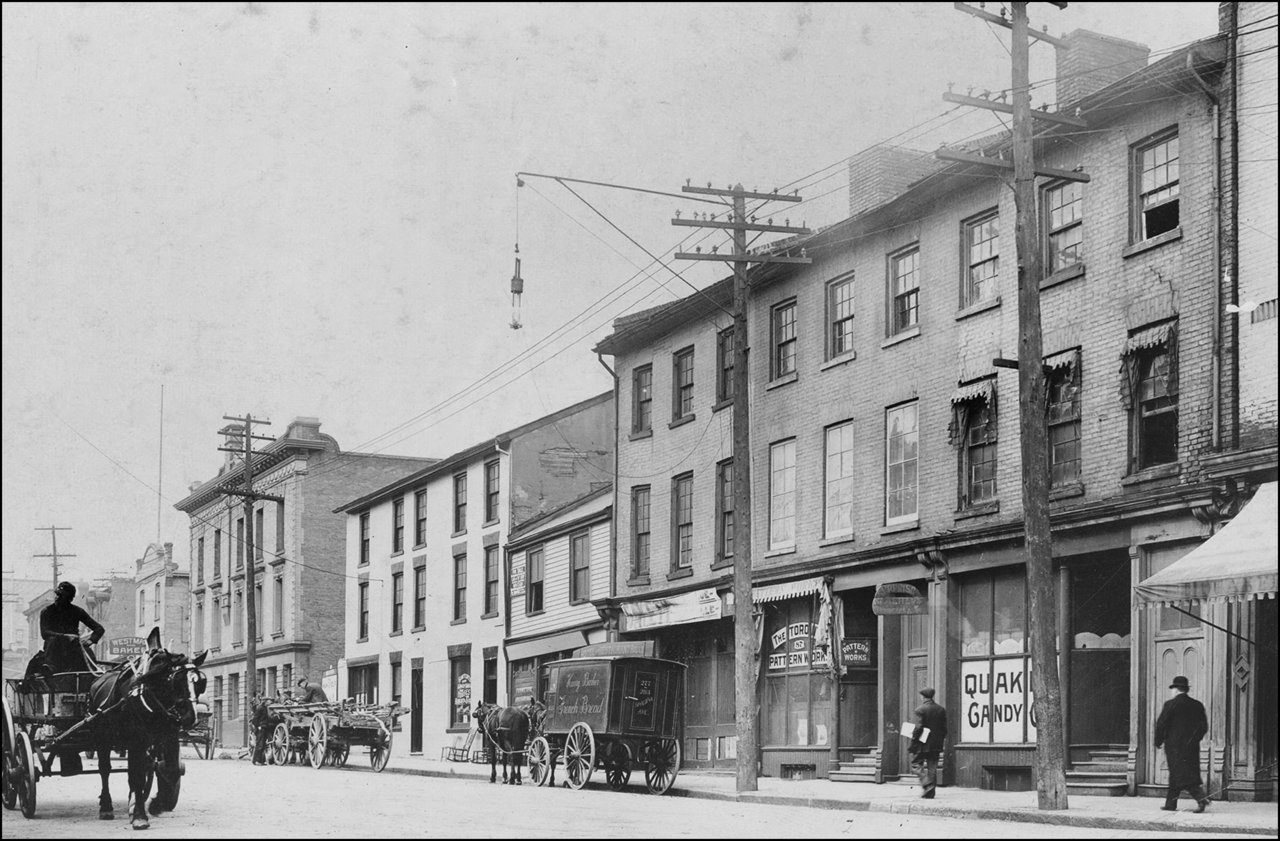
[(997, 701), (580, 692), (792, 645), (524, 679), (697, 606), (898, 600), (517, 579), (127, 646), (856, 651)]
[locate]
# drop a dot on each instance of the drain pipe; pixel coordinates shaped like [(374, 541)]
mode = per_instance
[(613, 525), (1215, 341)]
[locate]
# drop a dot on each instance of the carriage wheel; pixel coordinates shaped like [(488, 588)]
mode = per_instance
[(317, 741), (539, 757), (616, 758), (201, 745), (9, 759), (579, 754), (380, 753), (661, 764), (26, 771), (279, 746)]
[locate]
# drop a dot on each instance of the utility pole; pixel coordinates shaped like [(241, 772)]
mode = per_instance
[(746, 669), (1051, 784), (53, 533), (245, 432)]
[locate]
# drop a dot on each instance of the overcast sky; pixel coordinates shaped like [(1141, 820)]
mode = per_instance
[(310, 209)]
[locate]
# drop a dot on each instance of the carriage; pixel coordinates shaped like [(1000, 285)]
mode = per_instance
[(200, 735), (613, 713), (47, 716), (322, 733)]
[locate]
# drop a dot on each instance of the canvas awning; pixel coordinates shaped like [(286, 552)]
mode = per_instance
[(1236, 564), (788, 590)]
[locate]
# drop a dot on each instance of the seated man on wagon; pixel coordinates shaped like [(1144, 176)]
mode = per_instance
[(310, 693), (60, 629)]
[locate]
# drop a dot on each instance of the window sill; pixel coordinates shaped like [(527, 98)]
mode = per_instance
[(722, 563), (278, 560), (1151, 474), (236, 646), (723, 404), (981, 306), (1066, 491), (681, 421), (418, 629), (785, 550), (362, 564), (397, 553), (362, 639), (492, 522), (1063, 275), (682, 572), (396, 633), (418, 546), (458, 622), (638, 580), (837, 361), (492, 615), (458, 533), (909, 333), (980, 510), (835, 541), (1152, 242), (641, 435), (276, 635), (785, 379), (897, 527), (576, 602)]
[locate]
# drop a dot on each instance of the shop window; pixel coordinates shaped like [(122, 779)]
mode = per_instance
[(362, 683), (798, 706), (460, 691), (995, 669)]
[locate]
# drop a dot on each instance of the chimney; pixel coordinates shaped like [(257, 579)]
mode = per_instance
[(880, 173), (232, 439), (1093, 61), (308, 429)]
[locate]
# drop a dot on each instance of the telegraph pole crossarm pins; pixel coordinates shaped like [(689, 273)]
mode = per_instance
[(745, 669)]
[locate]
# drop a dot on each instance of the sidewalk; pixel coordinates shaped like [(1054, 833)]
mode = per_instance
[(1117, 813)]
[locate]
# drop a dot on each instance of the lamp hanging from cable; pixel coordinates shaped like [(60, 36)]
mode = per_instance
[(517, 282)]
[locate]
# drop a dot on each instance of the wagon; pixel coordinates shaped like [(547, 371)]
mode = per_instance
[(612, 713), (200, 735), (47, 715), (323, 733)]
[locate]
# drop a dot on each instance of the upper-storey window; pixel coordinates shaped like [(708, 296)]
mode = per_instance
[(492, 472), (364, 538), (1149, 390), (459, 503), (1063, 384), (642, 398), (397, 525), (902, 453), (841, 483), (682, 384), (420, 518), (724, 510), (724, 365), (839, 316), (1064, 225), (904, 290), (782, 495), (982, 258), (783, 323), (682, 522), (640, 531), (1156, 186), (973, 429)]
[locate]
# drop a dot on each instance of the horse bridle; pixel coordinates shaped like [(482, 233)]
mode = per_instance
[(142, 690)]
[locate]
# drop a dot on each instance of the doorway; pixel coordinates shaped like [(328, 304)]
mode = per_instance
[(915, 673), (415, 706), (1099, 660)]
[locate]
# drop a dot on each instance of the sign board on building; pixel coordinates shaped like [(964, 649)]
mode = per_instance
[(126, 646), (856, 651), (898, 600), (695, 606)]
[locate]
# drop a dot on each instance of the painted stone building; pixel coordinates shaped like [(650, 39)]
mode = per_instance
[(162, 596)]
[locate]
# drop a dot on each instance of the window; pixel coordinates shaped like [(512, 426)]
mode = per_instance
[(640, 531), (534, 578), (973, 430), (397, 525), (279, 529), (396, 682), (1149, 391), (839, 316), (782, 495), (459, 588), (491, 475), (397, 602), (259, 515), (901, 453), (234, 691), (1064, 225), (682, 524), (982, 259), (798, 698), (197, 635), (277, 611), (838, 505), (364, 538), (155, 610), (682, 384), (460, 691), (142, 607), (1156, 182), (490, 694), (459, 503), (904, 290), (239, 544), (362, 683), (257, 611), (995, 670), (419, 597), (420, 518), (724, 365), (1063, 385), (580, 567), (782, 321), (491, 580), (724, 510), (217, 554), (200, 561), (237, 627), (215, 623), (363, 609), (642, 399)]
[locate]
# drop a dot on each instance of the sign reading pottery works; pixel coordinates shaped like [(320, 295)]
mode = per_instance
[(126, 646), (898, 600)]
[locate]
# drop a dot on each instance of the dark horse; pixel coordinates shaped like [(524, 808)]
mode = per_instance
[(505, 731), (143, 707)]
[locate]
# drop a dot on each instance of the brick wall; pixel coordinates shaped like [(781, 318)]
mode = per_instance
[(882, 172), (1093, 61)]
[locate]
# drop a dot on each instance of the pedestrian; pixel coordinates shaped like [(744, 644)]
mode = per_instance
[(926, 749), (310, 692), (1180, 727), (262, 727)]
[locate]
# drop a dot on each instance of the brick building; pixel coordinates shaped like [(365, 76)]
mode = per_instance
[(163, 598), (885, 454), (299, 557)]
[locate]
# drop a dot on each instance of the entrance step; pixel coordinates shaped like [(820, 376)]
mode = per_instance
[(1114, 766), (1096, 788)]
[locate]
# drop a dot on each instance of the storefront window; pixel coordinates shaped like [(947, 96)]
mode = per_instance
[(798, 690), (995, 673)]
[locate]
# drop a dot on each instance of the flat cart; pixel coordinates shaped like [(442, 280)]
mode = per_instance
[(323, 733), (45, 716), (200, 735), (612, 713)]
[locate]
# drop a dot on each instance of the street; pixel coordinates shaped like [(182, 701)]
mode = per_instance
[(233, 799)]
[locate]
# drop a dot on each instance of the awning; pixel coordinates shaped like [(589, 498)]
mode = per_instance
[(1062, 359), (789, 590), (546, 645), (1150, 337), (973, 391), (1236, 564)]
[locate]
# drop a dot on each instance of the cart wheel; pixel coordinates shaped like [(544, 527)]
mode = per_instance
[(579, 754), (201, 748), (26, 770), (317, 741), (539, 761), (616, 758), (10, 759), (661, 764), (279, 746), (379, 754)]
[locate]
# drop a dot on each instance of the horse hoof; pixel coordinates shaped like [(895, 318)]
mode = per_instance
[(137, 824), (106, 816)]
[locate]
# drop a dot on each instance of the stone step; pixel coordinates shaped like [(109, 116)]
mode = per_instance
[(858, 762), (847, 777), (1097, 788), (1109, 765), (1073, 774), (1109, 754)]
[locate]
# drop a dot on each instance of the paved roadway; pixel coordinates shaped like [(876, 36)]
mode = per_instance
[(233, 799)]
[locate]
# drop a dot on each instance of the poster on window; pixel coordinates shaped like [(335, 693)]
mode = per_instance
[(462, 699), (517, 579), (791, 645), (995, 696)]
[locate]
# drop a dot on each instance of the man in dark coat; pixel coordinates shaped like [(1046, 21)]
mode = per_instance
[(264, 724), (1180, 727), (310, 693), (925, 751), (60, 629)]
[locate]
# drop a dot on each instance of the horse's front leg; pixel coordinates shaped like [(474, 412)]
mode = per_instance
[(140, 766), (493, 765), (106, 810)]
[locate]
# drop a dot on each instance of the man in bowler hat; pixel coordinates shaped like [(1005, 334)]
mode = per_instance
[(925, 752), (1180, 727)]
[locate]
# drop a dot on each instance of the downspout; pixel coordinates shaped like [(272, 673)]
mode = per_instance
[(1215, 341), (613, 521)]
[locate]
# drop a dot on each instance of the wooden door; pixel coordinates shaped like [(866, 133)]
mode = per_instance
[(415, 710), (915, 675)]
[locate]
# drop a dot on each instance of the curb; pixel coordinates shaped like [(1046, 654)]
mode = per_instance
[(936, 810)]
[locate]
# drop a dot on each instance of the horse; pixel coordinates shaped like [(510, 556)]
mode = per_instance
[(143, 708), (506, 731)]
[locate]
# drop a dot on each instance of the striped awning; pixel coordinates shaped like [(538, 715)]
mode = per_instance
[(788, 590), (973, 391), (1149, 337), (1064, 359)]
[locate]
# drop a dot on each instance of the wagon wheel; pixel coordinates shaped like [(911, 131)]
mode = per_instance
[(379, 753), (279, 744), (317, 741), (200, 743), (579, 754), (26, 775), (9, 759), (662, 761), (540, 760), (616, 758)]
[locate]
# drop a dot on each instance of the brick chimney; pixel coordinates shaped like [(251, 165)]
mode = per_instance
[(308, 429), (1093, 61), (880, 173)]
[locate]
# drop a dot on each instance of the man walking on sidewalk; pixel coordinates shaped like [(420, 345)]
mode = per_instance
[(1181, 726), (926, 747)]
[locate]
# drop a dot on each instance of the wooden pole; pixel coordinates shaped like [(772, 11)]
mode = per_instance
[(1051, 785), (250, 578)]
